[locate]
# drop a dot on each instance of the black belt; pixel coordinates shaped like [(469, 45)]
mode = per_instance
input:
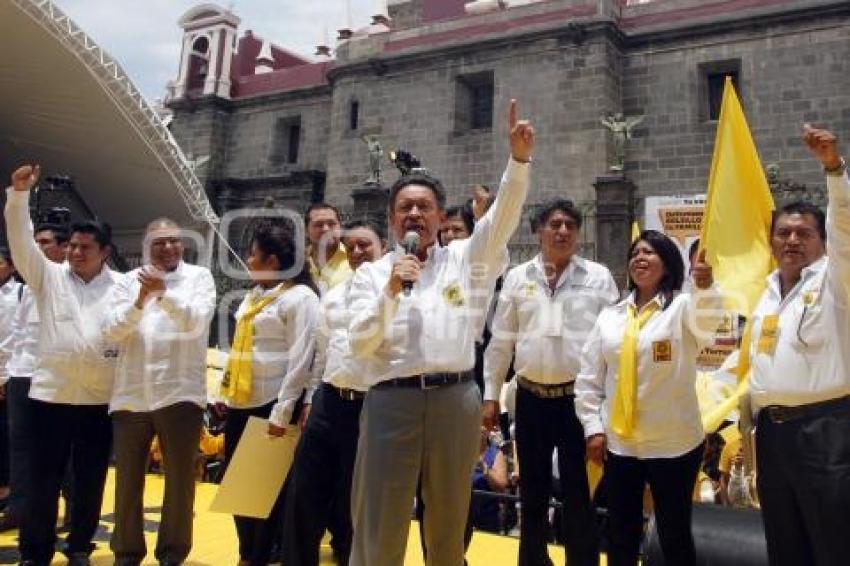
[(428, 380), (546, 390), (347, 394), (779, 414)]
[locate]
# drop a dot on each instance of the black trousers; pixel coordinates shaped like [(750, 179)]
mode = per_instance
[(320, 480), (256, 536), (543, 425), (4, 443), (804, 487), (20, 426), (83, 435), (671, 481)]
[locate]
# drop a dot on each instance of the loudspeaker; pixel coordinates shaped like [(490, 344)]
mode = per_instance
[(722, 536)]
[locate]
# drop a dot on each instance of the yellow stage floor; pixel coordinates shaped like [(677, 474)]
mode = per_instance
[(215, 537)]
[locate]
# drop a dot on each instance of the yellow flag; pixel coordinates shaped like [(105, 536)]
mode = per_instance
[(736, 226), (635, 231), (736, 229)]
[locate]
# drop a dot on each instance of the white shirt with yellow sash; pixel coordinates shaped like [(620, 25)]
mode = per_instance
[(668, 422), (282, 355)]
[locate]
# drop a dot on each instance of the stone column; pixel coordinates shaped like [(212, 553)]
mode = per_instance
[(213, 65), (183, 76), (614, 216), (223, 89), (370, 203)]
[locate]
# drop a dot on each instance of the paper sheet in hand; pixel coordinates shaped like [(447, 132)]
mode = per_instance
[(257, 471)]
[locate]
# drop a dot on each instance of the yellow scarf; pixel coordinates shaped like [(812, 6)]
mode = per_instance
[(239, 376), (625, 397)]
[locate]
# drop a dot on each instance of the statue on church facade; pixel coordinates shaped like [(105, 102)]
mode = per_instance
[(621, 129), (376, 152)]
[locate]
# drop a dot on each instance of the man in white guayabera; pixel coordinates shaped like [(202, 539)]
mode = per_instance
[(418, 312)]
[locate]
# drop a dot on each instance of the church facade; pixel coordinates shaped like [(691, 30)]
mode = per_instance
[(434, 77)]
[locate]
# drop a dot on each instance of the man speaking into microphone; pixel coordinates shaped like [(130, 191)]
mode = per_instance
[(418, 312)]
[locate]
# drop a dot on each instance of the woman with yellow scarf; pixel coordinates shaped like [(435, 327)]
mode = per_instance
[(269, 365), (636, 397)]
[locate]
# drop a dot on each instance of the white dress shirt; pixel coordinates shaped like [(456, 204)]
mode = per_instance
[(163, 357), (667, 421), (435, 328), (9, 293), (284, 345), (811, 359), (23, 342), (546, 329), (335, 363), (76, 365)]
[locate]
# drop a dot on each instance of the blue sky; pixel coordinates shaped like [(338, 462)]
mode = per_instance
[(144, 37)]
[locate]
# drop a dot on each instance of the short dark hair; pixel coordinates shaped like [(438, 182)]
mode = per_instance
[(464, 212), (423, 179), (101, 231), (60, 233), (6, 255), (693, 249), (671, 259), (545, 209), (277, 238), (319, 206), (802, 208), (367, 224)]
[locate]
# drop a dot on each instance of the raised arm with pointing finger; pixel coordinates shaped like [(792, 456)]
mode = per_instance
[(423, 399), (376, 301)]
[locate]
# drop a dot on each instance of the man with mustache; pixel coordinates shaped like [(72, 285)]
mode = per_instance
[(418, 315), (161, 315), (546, 309), (800, 385)]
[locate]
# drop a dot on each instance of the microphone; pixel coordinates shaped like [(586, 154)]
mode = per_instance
[(410, 243)]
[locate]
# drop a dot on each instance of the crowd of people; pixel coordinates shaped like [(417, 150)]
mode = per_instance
[(392, 363)]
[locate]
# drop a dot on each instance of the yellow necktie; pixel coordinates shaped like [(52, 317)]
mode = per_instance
[(239, 376), (625, 397)]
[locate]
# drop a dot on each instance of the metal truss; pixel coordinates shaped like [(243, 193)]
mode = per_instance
[(127, 98)]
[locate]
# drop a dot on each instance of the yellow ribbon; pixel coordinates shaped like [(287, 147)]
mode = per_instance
[(239, 376), (625, 397)]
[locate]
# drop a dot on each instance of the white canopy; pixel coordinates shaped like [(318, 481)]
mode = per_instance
[(66, 104)]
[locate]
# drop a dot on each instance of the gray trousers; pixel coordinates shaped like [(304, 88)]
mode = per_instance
[(179, 430), (405, 432)]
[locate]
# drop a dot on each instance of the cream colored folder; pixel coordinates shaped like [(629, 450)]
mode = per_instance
[(257, 471)]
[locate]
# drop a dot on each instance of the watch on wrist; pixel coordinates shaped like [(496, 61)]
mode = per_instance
[(838, 170)]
